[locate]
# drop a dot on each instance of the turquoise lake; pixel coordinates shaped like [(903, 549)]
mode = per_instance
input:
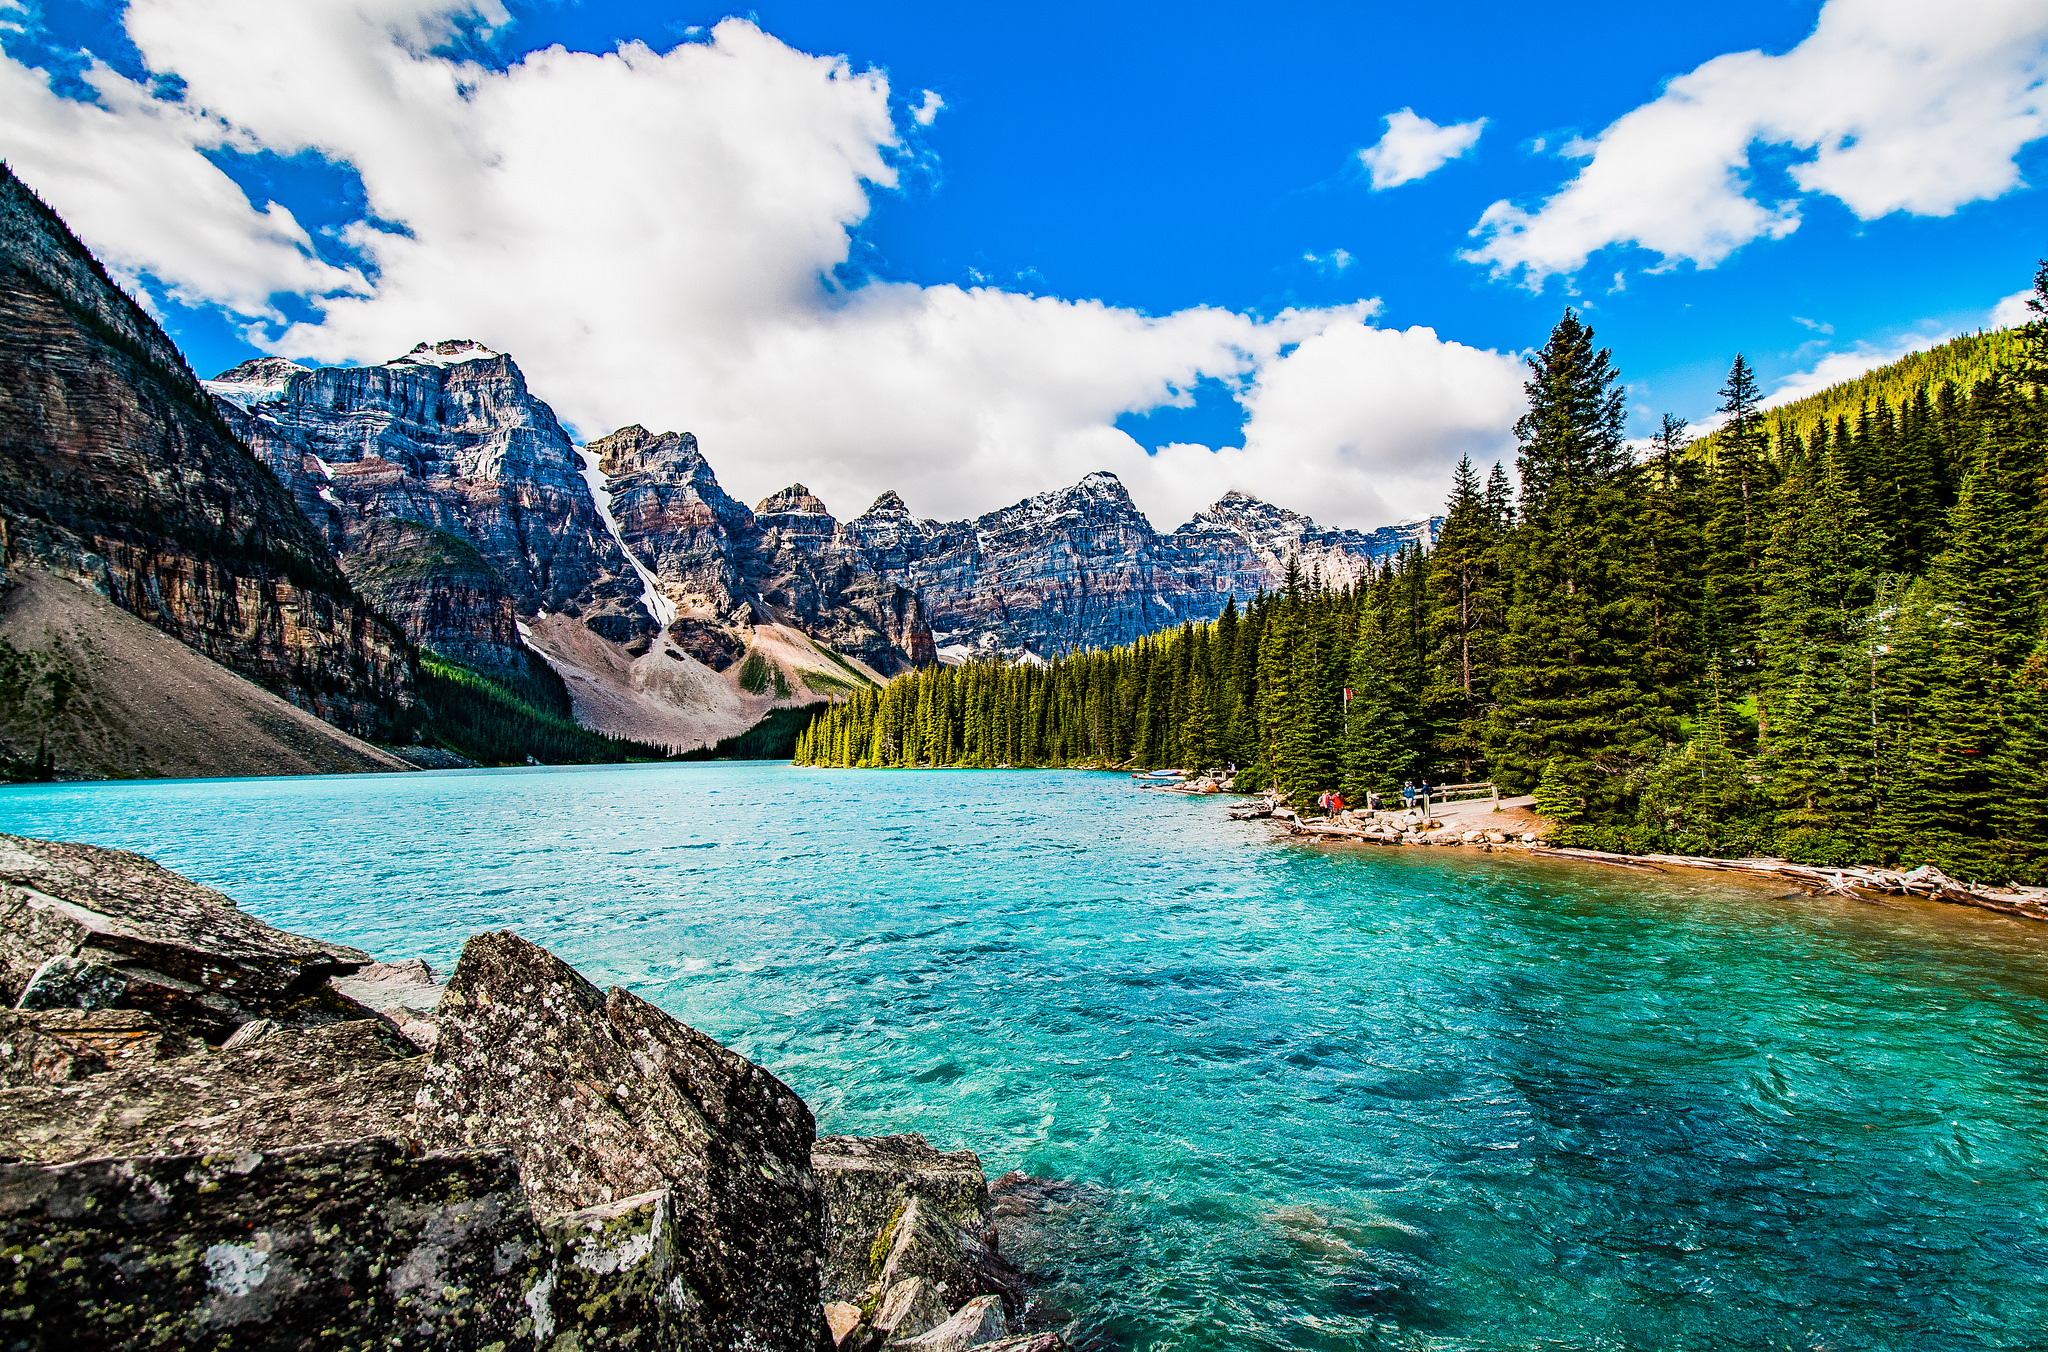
[(1313, 1099)]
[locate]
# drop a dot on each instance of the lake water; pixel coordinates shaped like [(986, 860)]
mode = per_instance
[(1373, 1099)]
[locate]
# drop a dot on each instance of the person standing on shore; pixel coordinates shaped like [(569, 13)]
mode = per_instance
[(1408, 794)]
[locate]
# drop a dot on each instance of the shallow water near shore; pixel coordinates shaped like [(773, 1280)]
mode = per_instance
[(1322, 1098)]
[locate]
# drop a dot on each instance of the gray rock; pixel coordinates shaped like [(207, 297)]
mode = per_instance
[(356, 1245), (614, 1275), (248, 1035), (977, 1323), (600, 1096), (908, 1231), (385, 986), (65, 982), (296, 1087), (30, 1055), (184, 950)]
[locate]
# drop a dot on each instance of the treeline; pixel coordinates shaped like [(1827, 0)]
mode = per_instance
[(507, 718), (1818, 638)]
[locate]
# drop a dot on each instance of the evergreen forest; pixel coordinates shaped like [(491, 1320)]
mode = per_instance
[(1818, 633)]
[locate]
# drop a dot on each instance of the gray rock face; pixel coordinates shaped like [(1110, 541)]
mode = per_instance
[(600, 1096), (1082, 567), (293, 1088), (358, 1244), (908, 1235), (724, 567), (118, 472), (1241, 545), (182, 950), (447, 436), (440, 591)]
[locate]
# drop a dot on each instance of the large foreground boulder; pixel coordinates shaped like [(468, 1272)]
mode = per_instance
[(358, 1244), (293, 1087), (82, 927), (602, 1097)]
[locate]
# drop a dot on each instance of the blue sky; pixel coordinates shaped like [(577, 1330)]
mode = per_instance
[(1156, 159)]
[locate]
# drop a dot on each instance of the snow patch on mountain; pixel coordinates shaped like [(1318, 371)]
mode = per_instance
[(253, 382), (659, 606), (447, 352)]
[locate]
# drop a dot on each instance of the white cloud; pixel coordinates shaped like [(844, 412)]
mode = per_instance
[(1816, 325), (1836, 367), (2012, 311), (1331, 263), (126, 173), (1892, 105), (1362, 425), (1415, 147), (928, 112), (654, 236)]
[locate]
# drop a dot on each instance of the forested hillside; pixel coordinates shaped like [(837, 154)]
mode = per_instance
[(1957, 364), (1825, 640)]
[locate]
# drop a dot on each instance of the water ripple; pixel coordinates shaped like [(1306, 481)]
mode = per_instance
[(1311, 1099)]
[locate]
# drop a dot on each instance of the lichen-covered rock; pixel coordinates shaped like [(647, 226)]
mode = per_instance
[(296, 1087), (183, 950), (356, 1245), (908, 1233), (614, 1275), (601, 1096)]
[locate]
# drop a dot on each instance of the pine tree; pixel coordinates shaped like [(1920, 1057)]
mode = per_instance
[(1814, 695), (1737, 531), (1572, 718)]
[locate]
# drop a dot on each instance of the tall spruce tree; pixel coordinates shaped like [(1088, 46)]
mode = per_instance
[(1571, 719), (1738, 529)]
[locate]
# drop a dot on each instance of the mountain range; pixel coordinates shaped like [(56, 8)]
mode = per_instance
[(314, 532), (625, 555)]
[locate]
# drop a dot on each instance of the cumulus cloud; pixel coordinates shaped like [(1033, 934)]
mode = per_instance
[(657, 237), (1365, 424), (1888, 106), (128, 174), (1415, 147), (928, 112), (2012, 311)]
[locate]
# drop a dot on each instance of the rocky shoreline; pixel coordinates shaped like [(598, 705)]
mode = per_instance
[(1866, 882), (216, 1133)]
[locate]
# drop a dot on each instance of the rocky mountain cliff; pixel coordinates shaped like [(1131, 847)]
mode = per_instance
[(720, 568), (1082, 567), (117, 470), (447, 437)]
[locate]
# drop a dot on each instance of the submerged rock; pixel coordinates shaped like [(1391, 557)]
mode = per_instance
[(601, 1096)]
